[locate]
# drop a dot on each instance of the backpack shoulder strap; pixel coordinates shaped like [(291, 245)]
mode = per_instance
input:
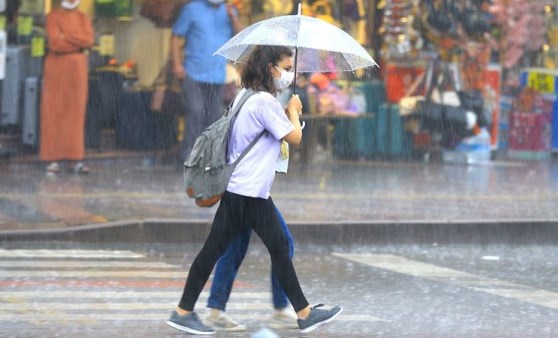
[(247, 94), (250, 146)]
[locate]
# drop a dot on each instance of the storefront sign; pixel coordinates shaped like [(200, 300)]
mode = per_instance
[(492, 99), (32, 7), (38, 46), (24, 25), (541, 82), (106, 45), (3, 43)]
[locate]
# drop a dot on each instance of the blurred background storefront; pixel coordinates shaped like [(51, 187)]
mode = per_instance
[(489, 68)]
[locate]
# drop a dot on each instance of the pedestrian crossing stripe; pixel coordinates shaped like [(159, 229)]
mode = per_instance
[(97, 305), (92, 254), (85, 264), (86, 294), (162, 316), (457, 278), (18, 305), (91, 274)]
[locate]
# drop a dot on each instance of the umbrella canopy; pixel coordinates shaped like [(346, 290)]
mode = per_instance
[(320, 46)]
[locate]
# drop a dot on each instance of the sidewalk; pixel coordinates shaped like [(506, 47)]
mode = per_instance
[(138, 188)]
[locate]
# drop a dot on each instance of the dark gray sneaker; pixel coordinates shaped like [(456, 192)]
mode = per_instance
[(190, 323), (318, 317)]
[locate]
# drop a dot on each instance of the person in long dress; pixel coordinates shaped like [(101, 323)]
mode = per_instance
[(64, 94)]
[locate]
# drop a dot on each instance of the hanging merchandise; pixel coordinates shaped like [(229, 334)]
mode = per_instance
[(441, 111), (519, 29), (326, 10), (113, 8), (37, 46), (399, 78), (354, 19), (441, 18), (476, 20), (438, 16), (550, 50), (401, 40), (3, 46), (473, 64), (543, 82), (24, 29), (415, 93), (265, 9), (163, 13), (31, 7), (167, 97)]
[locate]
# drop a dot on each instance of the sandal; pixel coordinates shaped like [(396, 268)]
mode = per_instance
[(53, 168), (80, 168)]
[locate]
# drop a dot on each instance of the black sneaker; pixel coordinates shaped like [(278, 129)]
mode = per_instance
[(190, 323), (318, 317)]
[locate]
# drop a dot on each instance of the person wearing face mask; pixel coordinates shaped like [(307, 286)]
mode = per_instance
[(203, 26), (228, 265), (246, 204), (64, 95)]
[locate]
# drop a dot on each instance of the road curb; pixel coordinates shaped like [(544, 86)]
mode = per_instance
[(539, 231)]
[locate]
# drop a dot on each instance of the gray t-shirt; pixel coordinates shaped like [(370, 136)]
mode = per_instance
[(254, 175)]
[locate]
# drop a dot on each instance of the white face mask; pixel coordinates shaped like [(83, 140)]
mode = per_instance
[(285, 80), (216, 2), (68, 5)]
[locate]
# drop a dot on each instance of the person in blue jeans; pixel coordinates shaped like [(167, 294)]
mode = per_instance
[(223, 278)]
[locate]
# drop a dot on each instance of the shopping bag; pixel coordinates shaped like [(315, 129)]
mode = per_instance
[(167, 96)]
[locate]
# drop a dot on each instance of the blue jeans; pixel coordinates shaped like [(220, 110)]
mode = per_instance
[(228, 264)]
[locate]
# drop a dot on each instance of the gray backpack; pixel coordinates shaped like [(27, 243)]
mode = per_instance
[(206, 171)]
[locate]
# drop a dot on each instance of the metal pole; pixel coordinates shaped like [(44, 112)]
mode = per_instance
[(296, 53)]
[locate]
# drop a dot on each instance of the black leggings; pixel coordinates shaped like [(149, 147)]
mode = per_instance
[(235, 214)]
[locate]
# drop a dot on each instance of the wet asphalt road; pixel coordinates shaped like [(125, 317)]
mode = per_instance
[(436, 290), (431, 289)]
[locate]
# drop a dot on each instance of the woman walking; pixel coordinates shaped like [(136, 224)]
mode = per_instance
[(246, 204)]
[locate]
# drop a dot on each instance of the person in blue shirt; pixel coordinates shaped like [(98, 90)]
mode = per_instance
[(201, 27)]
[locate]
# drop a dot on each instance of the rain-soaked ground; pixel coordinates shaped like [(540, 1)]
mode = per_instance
[(102, 287), (128, 290), (326, 191)]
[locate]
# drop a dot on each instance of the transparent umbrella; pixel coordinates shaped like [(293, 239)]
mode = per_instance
[(319, 46)]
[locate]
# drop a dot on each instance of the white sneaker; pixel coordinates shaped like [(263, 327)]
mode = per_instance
[(283, 319), (219, 321)]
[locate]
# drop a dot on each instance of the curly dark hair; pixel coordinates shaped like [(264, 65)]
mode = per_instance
[(255, 73)]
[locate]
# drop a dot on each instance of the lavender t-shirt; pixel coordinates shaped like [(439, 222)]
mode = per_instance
[(254, 175)]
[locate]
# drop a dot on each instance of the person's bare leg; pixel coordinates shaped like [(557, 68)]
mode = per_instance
[(303, 314), (182, 312)]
